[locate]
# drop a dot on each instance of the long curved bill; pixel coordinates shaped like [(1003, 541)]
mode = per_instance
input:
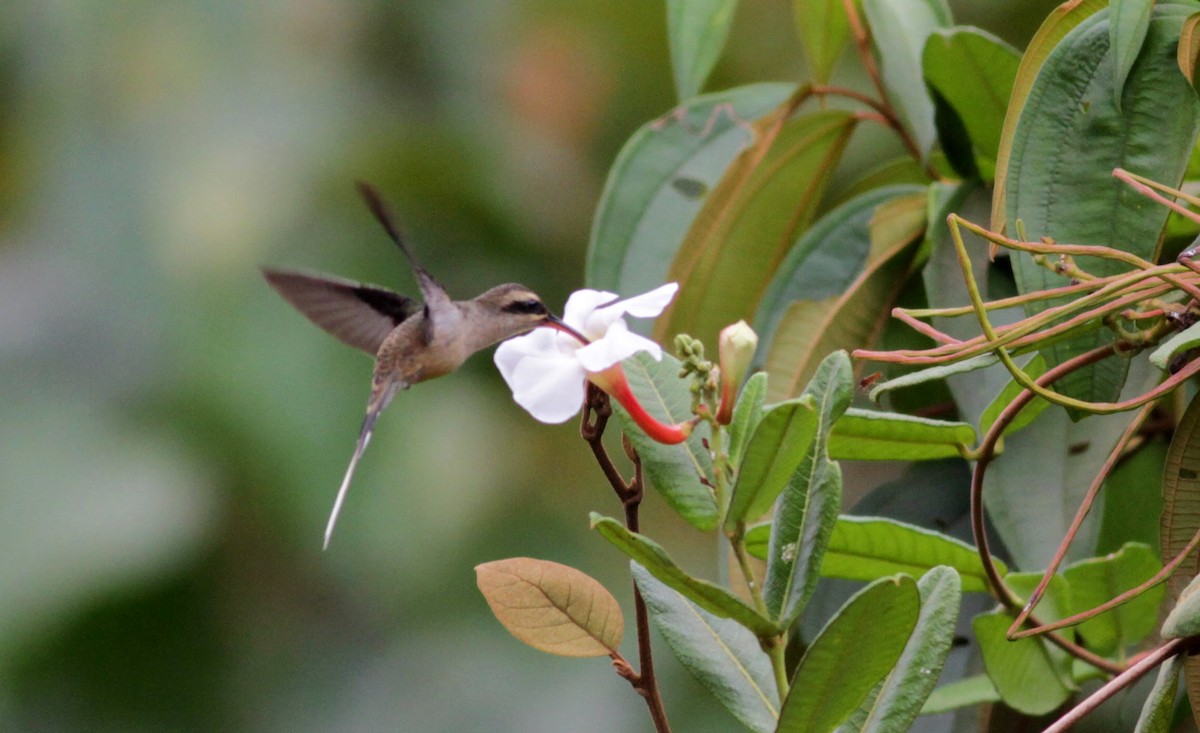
[(558, 324)]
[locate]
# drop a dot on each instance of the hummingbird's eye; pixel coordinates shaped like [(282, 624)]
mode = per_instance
[(529, 307)]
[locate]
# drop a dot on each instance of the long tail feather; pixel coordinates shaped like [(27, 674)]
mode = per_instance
[(381, 395), (364, 437)]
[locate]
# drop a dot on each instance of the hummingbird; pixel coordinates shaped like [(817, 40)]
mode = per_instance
[(411, 341)]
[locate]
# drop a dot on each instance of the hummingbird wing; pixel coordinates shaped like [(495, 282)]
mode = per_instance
[(437, 300), (356, 314), (383, 389)]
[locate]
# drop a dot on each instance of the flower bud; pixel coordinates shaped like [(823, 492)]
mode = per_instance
[(736, 347)]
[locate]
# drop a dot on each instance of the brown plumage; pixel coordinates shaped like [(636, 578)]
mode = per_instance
[(412, 342)]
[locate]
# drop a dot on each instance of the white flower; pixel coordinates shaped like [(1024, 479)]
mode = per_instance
[(547, 369)]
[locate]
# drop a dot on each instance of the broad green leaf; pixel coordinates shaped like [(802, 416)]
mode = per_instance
[(1096, 580), (1028, 678), (866, 548), (910, 683), (808, 508), (854, 651), (746, 415), (674, 470), (766, 198), (709, 596), (932, 374), (899, 29), (895, 172), (1035, 368), (1184, 619), (660, 180), (772, 454), (1131, 513), (551, 607), (870, 435), (826, 259), (1069, 139), (1184, 341), (974, 72), (1061, 21), (697, 30), (824, 30), (1126, 32), (960, 694), (1032, 492), (721, 654), (808, 330), (1188, 53), (1158, 712), (1181, 498)]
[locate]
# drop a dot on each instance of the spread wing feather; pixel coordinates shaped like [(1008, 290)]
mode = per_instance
[(356, 314)]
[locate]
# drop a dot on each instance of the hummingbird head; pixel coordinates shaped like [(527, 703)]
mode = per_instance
[(511, 310)]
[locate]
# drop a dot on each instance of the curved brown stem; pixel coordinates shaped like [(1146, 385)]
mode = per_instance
[(986, 452), (1015, 631), (596, 411)]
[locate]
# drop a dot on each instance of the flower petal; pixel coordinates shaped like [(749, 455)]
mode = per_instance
[(552, 390), (616, 346), (646, 305), (581, 304), (534, 344)]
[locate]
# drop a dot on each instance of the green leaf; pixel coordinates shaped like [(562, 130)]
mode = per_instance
[(766, 198), (866, 548), (1032, 492), (899, 29), (674, 470), (1181, 498), (661, 179), (960, 694), (810, 329), (774, 451), (974, 72), (932, 374), (824, 30), (1185, 340), (551, 607), (1025, 674), (807, 510), (894, 172), (1184, 619), (709, 596), (1131, 513), (1126, 31), (721, 654), (854, 651), (1054, 28), (1096, 580), (1188, 53), (1158, 712), (870, 435), (1035, 368), (697, 30), (747, 413), (899, 701), (826, 259), (1069, 139)]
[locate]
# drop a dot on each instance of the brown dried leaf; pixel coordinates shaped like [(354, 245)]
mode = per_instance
[(551, 607)]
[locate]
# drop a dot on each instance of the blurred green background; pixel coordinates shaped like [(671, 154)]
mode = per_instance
[(172, 433)]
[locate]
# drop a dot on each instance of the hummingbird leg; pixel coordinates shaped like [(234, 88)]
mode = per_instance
[(381, 394)]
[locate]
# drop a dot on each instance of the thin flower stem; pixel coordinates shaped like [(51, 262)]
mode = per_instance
[(1148, 188), (1118, 683), (596, 411)]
